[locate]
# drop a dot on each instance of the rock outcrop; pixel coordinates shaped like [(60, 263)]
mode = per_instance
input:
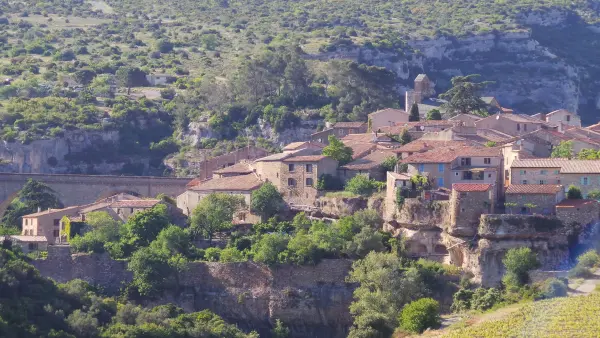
[(311, 300)]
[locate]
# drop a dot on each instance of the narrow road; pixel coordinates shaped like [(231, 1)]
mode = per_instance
[(588, 285)]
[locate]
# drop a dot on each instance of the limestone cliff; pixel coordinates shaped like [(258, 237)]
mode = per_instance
[(312, 300)]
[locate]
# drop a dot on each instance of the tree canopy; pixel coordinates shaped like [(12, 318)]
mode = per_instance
[(337, 150), (465, 95), (214, 213), (266, 201)]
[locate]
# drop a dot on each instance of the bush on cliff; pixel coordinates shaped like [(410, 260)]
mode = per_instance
[(419, 315), (589, 259), (362, 185), (518, 263)]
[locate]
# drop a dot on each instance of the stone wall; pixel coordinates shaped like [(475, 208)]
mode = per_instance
[(466, 209), (419, 213), (312, 300), (520, 226), (83, 189), (544, 203)]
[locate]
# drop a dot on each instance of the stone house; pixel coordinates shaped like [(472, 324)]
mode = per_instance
[(126, 208), (27, 243), (386, 117), (466, 119), (299, 176), (584, 174), (369, 165), (512, 124), (339, 129), (562, 117), (422, 90), (544, 197), (46, 223), (582, 212), (206, 165), (421, 146), (394, 181), (295, 146), (160, 79), (467, 134), (241, 185), (468, 202), (418, 128), (458, 164), (241, 168)]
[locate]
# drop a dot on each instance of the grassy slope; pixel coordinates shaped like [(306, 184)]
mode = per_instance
[(560, 317)]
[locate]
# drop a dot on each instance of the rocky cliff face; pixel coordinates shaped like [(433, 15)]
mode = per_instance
[(546, 66), (51, 156), (312, 300)]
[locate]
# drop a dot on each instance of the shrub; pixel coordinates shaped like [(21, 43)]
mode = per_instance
[(420, 315), (574, 193), (554, 287), (229, 255), (518, 262), (361, 185), (580, 272), (212, 254), (484, 299), (461, 300), (589, 259)]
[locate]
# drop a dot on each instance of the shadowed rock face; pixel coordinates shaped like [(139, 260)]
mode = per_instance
[(311, 300)]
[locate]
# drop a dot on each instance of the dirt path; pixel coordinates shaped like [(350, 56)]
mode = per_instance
[(588, 286)]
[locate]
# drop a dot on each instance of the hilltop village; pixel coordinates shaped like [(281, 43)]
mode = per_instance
[(459, 189)]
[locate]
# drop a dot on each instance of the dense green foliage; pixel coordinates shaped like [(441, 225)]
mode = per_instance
[(33, 306), (363, 185), (518, 263), (32, 197), (337, 150), (574, 193), (419, 315), (464, 96), (266, 201), (213, 214), (563, 150)]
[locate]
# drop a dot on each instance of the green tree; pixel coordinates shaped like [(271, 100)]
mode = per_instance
[(414, 113), (361, 185), (213, 214), (420, 315), (104, 229), (33, 196), (594, 194), (518, 262), (574, 193), (269, 248), (389, 163), (588, 154), (337, 150), (434, 115), (405, 137), (563, 150), (490, 144), (143, 226), (465, 95), (266, 201), (84, 76), (154, 271), (125, 77), (164, 46), (384, 287), (279, 330), (174, 240)]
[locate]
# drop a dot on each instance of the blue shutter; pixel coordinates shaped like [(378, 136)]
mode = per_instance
[(440, 182), (441, 167)]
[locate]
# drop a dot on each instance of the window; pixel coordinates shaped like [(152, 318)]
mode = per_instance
[(523, 172), (421, 168), (119, 210), (465, 161), (291, 182), (487, 160), (56, 222), (291, 167), (524, 182), (441, 167), (584, 181), (489, 175), (32, 246), (463, 194), (557, 181), (524, 127), (556, 172), (440, 181), (131, 210), (518, 127), (309, 182), (543, 172), (56, 233), (309, 168), (568, 118), (543, 182), (26, 221)]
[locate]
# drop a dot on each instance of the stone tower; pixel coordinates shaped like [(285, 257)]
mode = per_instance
[(423, 89)]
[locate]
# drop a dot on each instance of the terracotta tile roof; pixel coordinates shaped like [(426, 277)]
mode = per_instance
[(471, 116), (427, 123), (522, 118), (566, 203), (398, 111), (274, 157), (233, 183), (594, 127), (305, 158), (238, 168), (471, 187), (582, 134), (51, 211), (423, 145), (371, 161), (560, 111), (349, 124), (298, 145), (94, 207), (449, 154), (545, 189), (21, 238), (193, 182), (366, 138), (361, 149), (566, 166), (492, 135), (403, 177), (134, 203)]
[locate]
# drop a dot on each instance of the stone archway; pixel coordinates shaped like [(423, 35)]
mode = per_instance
[(113, 192)]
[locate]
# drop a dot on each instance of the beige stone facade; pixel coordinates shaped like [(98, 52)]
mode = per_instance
[(299, 176), (467, 203), (510, 124), (386, 117), (46, 223), (536, 199)]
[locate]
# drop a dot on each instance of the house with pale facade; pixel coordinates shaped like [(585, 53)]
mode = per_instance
[(562, 117), (584, 174), (445, 166), (339, 130), (46, 223), (513, 124), (386, 117)]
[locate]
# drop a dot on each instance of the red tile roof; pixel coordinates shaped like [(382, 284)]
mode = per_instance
[(423, 145), (361, 149), (134, 203), (305, 144), (542, 189), (349, 124), (399, 111), (306, 158), (594, 127), (449, 154), (471, 187), (232, 183), (575, 203), (238, 168), (566, 166), (403, 177), (371, 161)]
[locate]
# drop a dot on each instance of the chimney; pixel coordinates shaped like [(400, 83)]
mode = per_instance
[(39, 209)]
